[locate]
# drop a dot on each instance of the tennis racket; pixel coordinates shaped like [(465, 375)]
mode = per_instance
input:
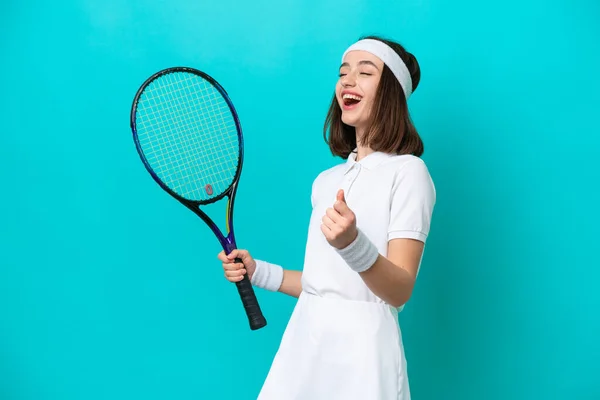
[(189, 138)]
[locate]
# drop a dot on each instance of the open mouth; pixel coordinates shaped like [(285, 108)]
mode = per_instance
[(350, 100)]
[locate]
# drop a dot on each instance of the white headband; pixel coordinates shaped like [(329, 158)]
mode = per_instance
[(389, 57)]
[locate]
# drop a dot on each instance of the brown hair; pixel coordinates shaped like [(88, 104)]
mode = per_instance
[(391, 130)]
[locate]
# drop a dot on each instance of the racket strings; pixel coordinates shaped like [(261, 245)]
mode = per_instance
[(177, 108), (188, 135)]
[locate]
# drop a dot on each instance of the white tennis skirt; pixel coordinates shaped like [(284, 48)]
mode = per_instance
[(336, 349)]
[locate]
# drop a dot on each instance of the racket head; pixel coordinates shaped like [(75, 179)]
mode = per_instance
[(188, 135)]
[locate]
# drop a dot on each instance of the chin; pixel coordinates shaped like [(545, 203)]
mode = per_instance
[(352, 120), (348, 121)]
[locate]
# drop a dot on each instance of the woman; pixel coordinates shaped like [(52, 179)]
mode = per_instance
[(370, 220)]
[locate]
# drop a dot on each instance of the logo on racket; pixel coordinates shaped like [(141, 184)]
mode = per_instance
[(209, 189)]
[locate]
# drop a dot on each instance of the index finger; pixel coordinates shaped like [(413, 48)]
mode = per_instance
[(222, 257), (237, 253)]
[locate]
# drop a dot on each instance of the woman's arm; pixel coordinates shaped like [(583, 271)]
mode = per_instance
[(392, 278), (292, 283)]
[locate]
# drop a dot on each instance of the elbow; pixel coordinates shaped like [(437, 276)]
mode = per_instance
[(399, 300), (398, 304)]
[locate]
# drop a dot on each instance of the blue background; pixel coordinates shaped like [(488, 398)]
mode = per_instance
[(109, 289)]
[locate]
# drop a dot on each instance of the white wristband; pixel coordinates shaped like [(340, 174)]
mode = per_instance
[(267, 276), (361, 254)]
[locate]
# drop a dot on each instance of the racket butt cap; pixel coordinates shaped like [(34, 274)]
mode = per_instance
[(258, 323)]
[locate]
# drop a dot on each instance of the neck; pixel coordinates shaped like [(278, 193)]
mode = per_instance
[(361, 150)]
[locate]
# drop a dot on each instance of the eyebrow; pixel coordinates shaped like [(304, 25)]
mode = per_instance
[(363, 62)]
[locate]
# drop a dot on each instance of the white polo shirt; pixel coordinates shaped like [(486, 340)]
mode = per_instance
[(392, 197)]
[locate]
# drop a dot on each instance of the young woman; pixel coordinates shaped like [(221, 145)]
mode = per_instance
[(370, 220)]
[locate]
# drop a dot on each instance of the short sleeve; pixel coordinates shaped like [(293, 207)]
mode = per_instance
[(313, 190), (412, 201), (313, 193)]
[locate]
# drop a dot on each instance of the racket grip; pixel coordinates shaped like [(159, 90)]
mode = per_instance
[(253, 311)]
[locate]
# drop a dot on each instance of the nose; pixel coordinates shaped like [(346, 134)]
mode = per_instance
[(348, 80)]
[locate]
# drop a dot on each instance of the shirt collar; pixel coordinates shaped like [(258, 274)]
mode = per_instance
[(369, 162)]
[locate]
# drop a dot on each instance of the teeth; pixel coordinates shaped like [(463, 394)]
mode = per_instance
[(352, 96)]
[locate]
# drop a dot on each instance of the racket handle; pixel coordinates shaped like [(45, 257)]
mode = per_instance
[(253, 311)]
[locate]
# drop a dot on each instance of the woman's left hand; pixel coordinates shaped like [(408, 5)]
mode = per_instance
[(339, 223)]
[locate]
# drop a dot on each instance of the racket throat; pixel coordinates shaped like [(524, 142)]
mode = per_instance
[(229, 244)]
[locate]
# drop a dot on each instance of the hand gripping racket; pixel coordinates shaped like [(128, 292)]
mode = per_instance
[(189, 138)]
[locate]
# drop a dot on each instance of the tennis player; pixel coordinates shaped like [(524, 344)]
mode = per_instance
[(370, 221)]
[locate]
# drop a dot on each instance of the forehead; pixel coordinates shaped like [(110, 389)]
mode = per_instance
[(356, 56)]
